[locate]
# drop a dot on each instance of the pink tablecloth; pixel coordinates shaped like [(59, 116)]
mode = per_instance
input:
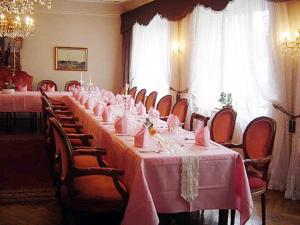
[(26, 101), (154, 180)]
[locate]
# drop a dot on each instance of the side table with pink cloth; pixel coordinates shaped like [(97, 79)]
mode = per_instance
[(21, 102), (154, 180), (29, 101)]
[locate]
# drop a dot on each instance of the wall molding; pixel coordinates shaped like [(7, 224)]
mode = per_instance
[(76, 13)]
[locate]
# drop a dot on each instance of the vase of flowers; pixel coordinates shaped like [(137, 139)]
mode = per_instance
[(225, 100), (9, 88)]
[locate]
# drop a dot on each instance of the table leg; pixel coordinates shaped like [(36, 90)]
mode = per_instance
[(223, 217)]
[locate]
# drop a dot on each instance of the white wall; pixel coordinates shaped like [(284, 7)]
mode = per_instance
[(89, 25)]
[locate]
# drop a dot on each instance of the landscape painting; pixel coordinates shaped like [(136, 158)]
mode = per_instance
[(71, 59)]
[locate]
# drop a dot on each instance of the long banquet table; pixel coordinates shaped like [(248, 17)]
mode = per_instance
[(29, 101), (154, 180)]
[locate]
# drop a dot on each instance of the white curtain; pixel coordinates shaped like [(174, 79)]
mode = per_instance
[(293, 182), (150, 62), (234, 51)]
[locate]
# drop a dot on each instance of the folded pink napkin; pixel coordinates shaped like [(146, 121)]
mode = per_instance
[(173, 122), (140, 109), (89, 104), (107, 115), (98, 109), (50, 88), (21, 88), (202, 135), (142, 138), (153, 113), (83, 99), (119, 99), (121, 124)]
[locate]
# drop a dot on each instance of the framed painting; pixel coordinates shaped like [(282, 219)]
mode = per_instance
[(71, 59)]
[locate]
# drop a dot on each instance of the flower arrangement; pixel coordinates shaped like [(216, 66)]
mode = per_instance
[(225, 99), (148, 124)]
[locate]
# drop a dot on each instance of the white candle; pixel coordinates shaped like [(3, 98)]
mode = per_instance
[(90, 79), (126, 89)]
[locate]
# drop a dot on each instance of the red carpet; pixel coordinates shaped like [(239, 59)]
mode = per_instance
[(24, 170), (23, 164)]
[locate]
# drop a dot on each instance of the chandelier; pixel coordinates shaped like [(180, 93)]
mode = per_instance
[(15, 17), (290, 43)]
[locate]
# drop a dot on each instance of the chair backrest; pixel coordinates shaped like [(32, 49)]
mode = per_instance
[(180, 109), (132, 92), (64, 147), (140, 96), (151, 100), (164, 105), (122, 91), (258, 138), (22, 79), (196, 116), (72, 83), (47, 85), (222, 125)]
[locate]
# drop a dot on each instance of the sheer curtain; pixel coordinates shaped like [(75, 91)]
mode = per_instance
[(233, 51), (293, 181), (150, 62)]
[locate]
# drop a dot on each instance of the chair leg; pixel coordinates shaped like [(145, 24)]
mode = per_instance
[(263, 209), (232, 217)]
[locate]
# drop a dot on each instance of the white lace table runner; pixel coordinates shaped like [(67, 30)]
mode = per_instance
[(189, 177)]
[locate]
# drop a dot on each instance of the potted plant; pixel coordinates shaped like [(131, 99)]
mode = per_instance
[(225, 100), (9, 87)]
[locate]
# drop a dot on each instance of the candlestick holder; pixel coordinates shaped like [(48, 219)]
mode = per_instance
[(126, 98)]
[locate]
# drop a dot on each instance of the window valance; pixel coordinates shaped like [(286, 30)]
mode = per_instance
[(171, 9)]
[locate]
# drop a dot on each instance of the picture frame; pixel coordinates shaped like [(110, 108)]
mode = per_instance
[(71, 59)]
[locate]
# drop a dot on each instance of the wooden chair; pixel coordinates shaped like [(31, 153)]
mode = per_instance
[(258, 140), (164, 106), (222, 125), (151, 100), (132, 92), (180, 109), (72, 83), (196, 116), (47, 85), (140, 96), (94, 189)]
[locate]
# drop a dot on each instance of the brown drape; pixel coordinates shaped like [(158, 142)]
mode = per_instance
[(170, 9), (126, 55)]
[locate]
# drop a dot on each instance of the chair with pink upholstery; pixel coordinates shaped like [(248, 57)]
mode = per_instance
[(47, 86), (140, 96), (132, 92), (222, 125), (164, 106), (70, 84), (86, 189), (122, 91), (180, 109), (151, 100), (23, 81), (258, 140), (196, 116)]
